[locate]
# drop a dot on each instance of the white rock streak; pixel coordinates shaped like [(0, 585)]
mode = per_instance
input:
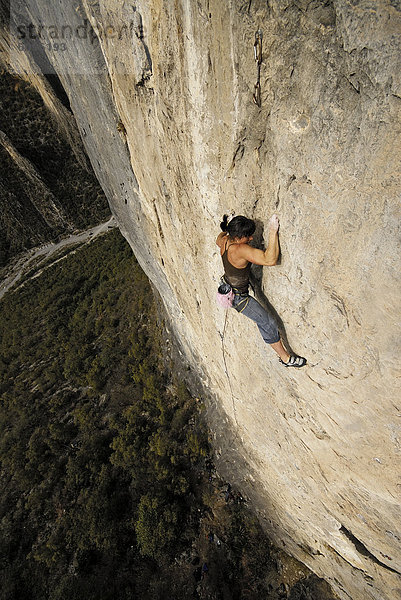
[(23, 263)]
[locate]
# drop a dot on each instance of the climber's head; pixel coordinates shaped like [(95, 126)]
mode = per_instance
[(238, 227)]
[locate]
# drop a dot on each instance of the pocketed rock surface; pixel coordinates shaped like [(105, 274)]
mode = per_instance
[(166, 113)]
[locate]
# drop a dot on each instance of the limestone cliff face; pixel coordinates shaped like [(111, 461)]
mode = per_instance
[(163, 98)]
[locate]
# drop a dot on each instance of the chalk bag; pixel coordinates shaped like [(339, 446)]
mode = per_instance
[(225, 295)]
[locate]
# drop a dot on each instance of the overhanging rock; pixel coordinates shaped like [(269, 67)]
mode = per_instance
[(163, 95)]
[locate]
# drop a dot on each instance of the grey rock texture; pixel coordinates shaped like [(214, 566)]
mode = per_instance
[(163, 98)]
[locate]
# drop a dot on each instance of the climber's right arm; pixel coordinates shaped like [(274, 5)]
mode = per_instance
[(269, 257)]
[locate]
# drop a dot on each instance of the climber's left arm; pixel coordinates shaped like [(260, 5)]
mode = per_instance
[(220, 239)]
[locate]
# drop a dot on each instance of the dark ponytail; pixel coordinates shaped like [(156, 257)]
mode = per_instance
[(224, 223), (238, 227)]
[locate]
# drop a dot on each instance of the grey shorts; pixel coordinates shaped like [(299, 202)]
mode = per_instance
[(248, 306)]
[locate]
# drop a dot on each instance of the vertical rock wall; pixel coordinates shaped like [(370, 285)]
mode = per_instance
[(163, 99)]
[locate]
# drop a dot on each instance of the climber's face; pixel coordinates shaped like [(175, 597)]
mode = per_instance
[(244, 240)]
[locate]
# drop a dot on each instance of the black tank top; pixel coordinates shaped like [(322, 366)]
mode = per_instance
[(237, 278)]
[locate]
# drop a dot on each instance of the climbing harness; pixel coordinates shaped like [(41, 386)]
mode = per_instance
[(257, 47), (242, 304)]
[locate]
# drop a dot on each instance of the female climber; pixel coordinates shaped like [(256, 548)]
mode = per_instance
[(237, 257)]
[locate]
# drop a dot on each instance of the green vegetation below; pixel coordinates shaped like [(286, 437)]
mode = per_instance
[(108, 490)]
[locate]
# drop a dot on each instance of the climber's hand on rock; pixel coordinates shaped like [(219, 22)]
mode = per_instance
[(274, 223)]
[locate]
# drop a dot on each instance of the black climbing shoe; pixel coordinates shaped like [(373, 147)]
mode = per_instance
[(295, 361)]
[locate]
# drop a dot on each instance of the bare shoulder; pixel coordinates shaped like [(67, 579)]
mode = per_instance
[(239, 255)]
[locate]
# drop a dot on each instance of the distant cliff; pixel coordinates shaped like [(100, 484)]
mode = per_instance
[(46, 178), (163, 96)]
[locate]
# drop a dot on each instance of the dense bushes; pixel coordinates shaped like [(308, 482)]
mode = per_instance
[(94, 474)]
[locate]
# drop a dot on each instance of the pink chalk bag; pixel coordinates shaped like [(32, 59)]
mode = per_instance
[(225, 294)]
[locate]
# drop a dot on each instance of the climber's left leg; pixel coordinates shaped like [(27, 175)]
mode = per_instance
[(279, 348), (269, 332), (265, 322)]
